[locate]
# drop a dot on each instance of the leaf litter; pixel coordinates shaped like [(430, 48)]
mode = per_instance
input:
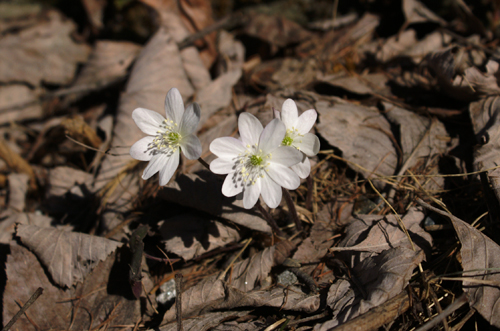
[(407, 110)]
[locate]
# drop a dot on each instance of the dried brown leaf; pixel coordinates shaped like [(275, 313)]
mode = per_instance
[(205, 322), (190, 235), (95, 12), (203, 192), (18, 103), (18, 187), (212, 292), (102, 296), (44, 52), (8, 225), (362, 84), (382, 277), (417, 12), (16, 162), (76, 128), (369, 145), (316, 245), (369, 234), (478, 253), (68, 256)]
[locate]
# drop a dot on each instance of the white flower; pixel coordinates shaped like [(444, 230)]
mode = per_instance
[(167, 136), (297, 134), (255, 163)]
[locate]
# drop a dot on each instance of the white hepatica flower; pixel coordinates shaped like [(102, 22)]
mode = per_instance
[(256, 163), (297, 134), (167, 136)]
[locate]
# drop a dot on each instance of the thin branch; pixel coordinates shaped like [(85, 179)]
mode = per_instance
[(23, 309)]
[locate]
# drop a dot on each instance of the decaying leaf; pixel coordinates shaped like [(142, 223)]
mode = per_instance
[(16, 162), (202, 191), (44, 52), (205, 322), (479, 253), (68, 256), (189, 235), (9, 222), (79, 130), (213, 292), (382, 277), (369, 147), (65, 179), (416, 12), (18, 187), (369, 234), (362, 84), (101, 296), (314, 247), (18, 103)]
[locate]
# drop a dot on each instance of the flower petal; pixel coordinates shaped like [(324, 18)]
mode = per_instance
[(169, 168), (190, 119), (289, 113), (231, 187), (271, 192), (303, 168), (147, 120), (227, 147), (286, 156), (222, 166), (251, 194), (272, 136), (309, 144), (191, 147), (139, 150), (154, 165), (283, 176), (250, 128), (174, 106), (306, 121)]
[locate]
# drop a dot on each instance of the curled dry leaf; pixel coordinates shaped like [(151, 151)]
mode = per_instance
[(478, 253), (101, 296), (369, 147), (43, 52), (202, 191), (68, 256), (213, 292), (190, 235), (18, 103), (8, 225), (373, 234), (382, 277), (79, 130), (205, 322)]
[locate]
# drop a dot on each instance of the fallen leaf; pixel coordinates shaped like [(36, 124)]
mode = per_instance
[(68, 256), (213, 291), (101, 296), (205, 322), (95, 12), (362, 84), (18, 187), (369, 147), (202, 191), (382, 277), (416, 12), (18, 103), (9, 221), (479, 253), (190, 235), (44, 52), (316, 245)]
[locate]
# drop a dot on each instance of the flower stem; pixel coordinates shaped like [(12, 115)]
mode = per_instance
[(270, 220), (292, 210), (205, 164), (309, 196)]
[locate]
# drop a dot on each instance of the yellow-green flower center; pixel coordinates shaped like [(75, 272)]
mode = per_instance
[(287, 141), (255, 160), (174, 137)]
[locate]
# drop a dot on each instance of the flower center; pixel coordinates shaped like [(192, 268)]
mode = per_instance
[(292, 135), (250, 166), (167, 139), (287, 141)]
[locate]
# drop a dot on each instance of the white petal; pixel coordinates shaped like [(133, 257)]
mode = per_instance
[(169, 168), (289, 113), (139, 150), (156, 163), (250, 128), (286, 156), (174, 106), (306, 121), (222, 166), (276, 113), (283, 176), (251, 194), (230, 188), (227, 147), (272, 136), (303, 168), (191, 147), (147, 120), (309, 144), (271, 192), (190, 119)]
